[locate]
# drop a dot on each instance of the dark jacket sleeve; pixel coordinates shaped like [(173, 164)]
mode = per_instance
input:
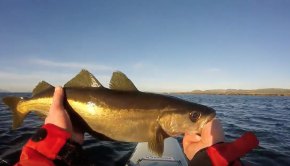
[(226, 154), (43, 147)]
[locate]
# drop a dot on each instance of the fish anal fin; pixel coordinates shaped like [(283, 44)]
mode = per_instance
[(83, 79), (40, 87), (156, 143), (119, 81)]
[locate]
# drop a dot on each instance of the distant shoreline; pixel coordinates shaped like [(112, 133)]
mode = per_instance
[(234, 94), (190, 93), (254, 92)]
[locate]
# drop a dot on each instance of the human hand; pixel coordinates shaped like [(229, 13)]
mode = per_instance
[(58, 116), (211, 133)]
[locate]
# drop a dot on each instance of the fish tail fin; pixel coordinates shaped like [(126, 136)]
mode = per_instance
[(18, 117)]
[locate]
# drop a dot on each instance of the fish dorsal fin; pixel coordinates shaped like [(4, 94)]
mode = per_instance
[(40, 87), (83, 79), (119, 81)]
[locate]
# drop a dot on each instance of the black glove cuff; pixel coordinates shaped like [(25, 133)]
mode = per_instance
[(71, 154)]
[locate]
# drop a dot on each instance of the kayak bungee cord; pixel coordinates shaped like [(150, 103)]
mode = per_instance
[(5, 161)]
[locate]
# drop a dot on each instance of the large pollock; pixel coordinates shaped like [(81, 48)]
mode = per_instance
[(118, 113)]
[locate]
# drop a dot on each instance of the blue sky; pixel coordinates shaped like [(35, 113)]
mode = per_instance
[(164, 45)]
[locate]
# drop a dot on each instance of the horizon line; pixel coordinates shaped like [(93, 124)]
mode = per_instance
[(6, 91)]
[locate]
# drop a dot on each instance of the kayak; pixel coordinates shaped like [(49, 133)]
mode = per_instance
[(173, 155)]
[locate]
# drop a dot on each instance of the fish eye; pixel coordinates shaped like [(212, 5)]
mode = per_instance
[(194, 116)]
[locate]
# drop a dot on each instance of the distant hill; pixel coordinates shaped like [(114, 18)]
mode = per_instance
[(2, 90), (264, 92)]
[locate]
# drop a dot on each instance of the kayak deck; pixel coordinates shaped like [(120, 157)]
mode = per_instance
[(172, 156)]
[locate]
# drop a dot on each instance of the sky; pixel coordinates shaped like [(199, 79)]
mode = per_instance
[(164, 45)]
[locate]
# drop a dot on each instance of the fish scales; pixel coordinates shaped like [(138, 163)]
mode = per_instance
[(118, 113)]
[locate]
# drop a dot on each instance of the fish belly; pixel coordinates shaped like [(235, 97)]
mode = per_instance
[(118, 124)]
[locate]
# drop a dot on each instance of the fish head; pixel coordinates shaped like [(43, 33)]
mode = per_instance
[(186, 119)]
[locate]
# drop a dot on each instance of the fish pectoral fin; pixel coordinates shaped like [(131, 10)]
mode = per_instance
[(40, 87), (83, 79), (156, 143), (119, 81)]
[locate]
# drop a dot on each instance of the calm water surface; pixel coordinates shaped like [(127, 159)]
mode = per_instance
[(268, 117)]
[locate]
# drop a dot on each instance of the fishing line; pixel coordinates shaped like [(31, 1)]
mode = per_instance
[(5, 161)]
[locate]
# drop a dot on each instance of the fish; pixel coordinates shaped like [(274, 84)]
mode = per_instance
[(119, 113)]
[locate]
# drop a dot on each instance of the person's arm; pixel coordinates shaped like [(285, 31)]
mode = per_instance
[(51, 146), (55, 143), (225, 154)]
